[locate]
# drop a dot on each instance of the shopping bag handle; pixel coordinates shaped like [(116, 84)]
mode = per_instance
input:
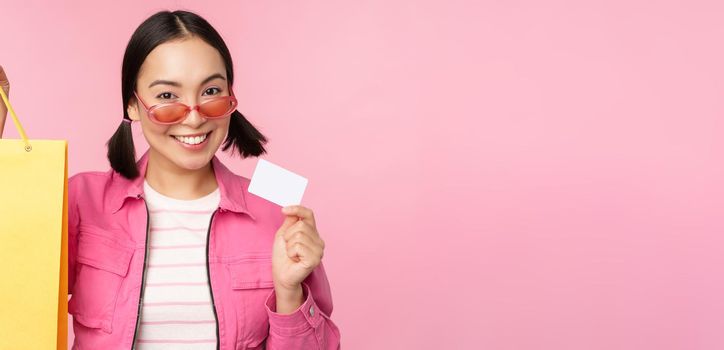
[(28, 148)]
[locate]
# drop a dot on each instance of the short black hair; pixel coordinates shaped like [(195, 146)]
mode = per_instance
[(161, 27)]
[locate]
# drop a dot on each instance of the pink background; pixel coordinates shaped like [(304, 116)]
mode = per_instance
[(486, 174)]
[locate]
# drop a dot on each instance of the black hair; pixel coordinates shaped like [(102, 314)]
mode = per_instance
[(161, 27)]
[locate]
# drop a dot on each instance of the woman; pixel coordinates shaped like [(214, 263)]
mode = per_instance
[(171, 251)]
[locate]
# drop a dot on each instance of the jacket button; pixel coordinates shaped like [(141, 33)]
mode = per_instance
[(311, 310)]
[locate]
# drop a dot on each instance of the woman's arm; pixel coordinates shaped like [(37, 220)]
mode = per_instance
[(300, 305), (5, 85), (310, 326)]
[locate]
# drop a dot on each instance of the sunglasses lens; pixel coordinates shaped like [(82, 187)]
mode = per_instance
[(170, 113), (218, 107)]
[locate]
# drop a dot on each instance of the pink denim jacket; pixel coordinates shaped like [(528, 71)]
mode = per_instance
[(108, 232)]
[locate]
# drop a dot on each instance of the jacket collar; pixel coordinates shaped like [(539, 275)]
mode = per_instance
[(231, 188)]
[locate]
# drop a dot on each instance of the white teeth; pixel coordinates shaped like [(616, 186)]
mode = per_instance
[(191, 140)]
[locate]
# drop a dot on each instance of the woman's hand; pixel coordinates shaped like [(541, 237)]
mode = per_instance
[(5, 85), (297, 251)]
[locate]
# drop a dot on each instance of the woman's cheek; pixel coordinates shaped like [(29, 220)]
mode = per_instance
[(220, 132)]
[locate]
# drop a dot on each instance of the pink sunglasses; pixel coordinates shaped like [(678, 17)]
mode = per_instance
[(174, 112)]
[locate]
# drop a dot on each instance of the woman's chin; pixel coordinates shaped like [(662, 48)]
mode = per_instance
[(191, 160), (194, 161)]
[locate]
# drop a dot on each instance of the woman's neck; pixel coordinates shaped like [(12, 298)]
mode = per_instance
[(171, 181)]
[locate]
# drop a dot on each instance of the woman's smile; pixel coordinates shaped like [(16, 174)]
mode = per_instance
[(193, 141)]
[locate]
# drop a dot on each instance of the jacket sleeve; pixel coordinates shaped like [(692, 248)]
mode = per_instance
[(73, 222), (310, 326)]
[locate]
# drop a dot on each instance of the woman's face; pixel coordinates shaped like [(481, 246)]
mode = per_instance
[(178, 71)]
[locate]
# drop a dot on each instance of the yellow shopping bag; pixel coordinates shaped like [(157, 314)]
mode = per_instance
[(33, 242)]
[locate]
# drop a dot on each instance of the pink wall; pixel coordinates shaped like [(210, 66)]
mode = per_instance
[(486, 174)]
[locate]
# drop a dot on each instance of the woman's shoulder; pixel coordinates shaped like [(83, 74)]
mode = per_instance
[(90, 187), (89, 178)]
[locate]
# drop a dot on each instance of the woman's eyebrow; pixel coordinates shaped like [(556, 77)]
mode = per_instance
[(176, 84)]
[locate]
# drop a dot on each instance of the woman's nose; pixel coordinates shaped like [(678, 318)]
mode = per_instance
[(194, 117)]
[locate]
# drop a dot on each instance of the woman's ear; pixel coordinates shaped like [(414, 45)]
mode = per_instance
[(132, 110)]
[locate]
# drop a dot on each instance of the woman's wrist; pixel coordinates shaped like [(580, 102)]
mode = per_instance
[(289, 300)]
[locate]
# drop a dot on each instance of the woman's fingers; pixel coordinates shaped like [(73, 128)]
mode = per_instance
[(4, 81), (303, 212), (308, 256), (301, 238), (303, 228)]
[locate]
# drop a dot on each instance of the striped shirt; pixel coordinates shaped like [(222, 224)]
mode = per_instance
[(176, 312)]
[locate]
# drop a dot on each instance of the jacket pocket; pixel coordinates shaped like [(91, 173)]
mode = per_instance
[(251, 282), (102, 264), (251, 273)]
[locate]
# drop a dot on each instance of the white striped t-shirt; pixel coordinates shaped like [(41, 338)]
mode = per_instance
[(176, 312)]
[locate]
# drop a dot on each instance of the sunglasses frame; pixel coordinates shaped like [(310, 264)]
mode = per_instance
[(151, 115)]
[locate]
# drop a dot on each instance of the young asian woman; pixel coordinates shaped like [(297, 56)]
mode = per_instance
[(170, 251)]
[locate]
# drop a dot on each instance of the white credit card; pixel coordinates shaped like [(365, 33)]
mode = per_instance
[(277, 184)]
